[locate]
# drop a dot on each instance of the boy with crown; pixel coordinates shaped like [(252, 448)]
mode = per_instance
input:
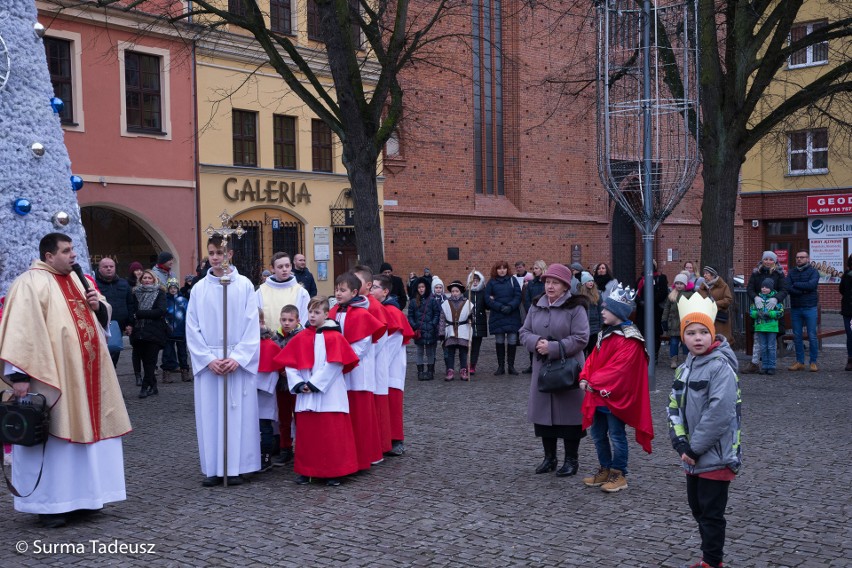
[(704, 423), (615, 379)]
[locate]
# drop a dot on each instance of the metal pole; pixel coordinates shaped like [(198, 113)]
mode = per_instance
[(647, 194), (225, 280)]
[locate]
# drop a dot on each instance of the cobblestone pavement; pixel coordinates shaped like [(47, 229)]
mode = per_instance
[(465, 493)]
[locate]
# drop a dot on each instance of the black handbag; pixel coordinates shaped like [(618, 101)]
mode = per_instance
[(559, 374)]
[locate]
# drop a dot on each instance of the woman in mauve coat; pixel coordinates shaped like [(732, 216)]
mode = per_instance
[(557, 318)]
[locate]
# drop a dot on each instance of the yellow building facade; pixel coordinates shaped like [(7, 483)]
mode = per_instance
[(266, 160), (796, 184)]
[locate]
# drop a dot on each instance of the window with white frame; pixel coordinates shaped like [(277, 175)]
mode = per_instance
[(63, 61), (807, 151), (393, 148), (145, 91), (815, 54)]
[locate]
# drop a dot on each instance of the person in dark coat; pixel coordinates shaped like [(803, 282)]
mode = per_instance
[(661, 291), (846, 309), (802, 284), (423, 316), (476, 295), (534, 288), (118, 293), (557, 319), (303, 275), (397, 286), (503, 298), (150, 331)]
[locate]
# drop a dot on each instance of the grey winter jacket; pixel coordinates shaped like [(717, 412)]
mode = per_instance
[(704, 410)]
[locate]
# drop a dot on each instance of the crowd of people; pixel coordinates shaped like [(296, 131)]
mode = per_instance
[(320, 381)]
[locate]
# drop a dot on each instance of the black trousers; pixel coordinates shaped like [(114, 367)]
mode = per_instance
[(708, 499), (148, 352), (475, 344)]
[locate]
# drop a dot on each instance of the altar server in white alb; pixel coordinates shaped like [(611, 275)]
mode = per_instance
[(282, 289), (52, 343), (204, 338)]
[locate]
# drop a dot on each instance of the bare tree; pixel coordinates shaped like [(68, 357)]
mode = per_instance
[(368, 44), (745, 54)]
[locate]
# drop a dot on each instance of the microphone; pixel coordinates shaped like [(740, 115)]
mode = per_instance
[(78, 270)]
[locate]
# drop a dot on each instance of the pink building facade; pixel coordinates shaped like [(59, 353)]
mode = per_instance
[(129, 122)]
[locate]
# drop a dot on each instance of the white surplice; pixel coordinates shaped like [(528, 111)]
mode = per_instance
[(325, 376), (397, 361), (204, 339)]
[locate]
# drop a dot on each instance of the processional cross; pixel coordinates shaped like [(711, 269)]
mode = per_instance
[(225, 231)]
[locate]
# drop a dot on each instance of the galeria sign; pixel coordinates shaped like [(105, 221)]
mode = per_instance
[(266, 191)]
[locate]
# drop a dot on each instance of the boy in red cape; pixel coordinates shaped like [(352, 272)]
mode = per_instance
[(361, 330), (395, 358), (615, 377), (267, 404), (315, 361)]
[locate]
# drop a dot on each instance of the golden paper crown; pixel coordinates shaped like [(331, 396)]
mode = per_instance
[(697, 309)]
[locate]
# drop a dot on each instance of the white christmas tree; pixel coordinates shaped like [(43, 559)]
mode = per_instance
[(36, 183)]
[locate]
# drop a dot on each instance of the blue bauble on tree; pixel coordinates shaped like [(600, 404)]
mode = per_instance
[(22, 206), (76, 183), (57, 104)]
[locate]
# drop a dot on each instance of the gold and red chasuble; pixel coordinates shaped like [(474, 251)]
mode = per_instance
[(87, 333)]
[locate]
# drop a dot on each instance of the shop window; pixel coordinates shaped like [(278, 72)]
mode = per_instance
[(808, 151), (244, 125), (284, 141), (321, 146), (280, 16), (816, 54), (59, 64)]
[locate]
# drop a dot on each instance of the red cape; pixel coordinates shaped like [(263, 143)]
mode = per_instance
[(359, 324), (268, 351), (620, 367), (299, 351), (378, 311), (398, 322)]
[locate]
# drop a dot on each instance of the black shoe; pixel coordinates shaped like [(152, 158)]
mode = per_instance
[(235, 480), (265, 462), (152, 391), (285, 457), (397, 448), (549, 464), (143, 393), (770, 371), (52, 521), (568, 468), (332, 482), (138, 380), (302, 480), (512, 371), (528, 371), (499, 371), (211, 481)]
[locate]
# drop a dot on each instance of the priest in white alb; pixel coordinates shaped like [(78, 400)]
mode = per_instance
[(204, 338), (52, 343)]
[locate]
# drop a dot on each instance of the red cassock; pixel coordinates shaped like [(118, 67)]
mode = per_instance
[(620, 368), (397, 322), (325, 440)]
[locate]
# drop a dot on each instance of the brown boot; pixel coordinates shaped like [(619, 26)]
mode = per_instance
[(185, 375), (616, 482), (751, 369), (167, 376), (598, 479)]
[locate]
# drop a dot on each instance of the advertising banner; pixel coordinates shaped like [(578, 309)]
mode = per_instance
[(827, 258)]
